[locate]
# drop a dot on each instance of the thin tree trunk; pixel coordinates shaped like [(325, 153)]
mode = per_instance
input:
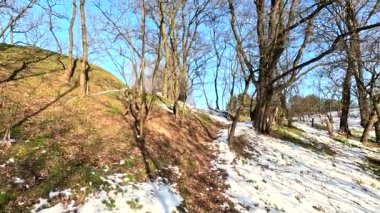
[(70, 69), (11, 30), (167, 51), (6, 142), (84, 72), (377, 131), (235, 118), (142, 110), (216, 90), (346, 99), (329, 124), (13, 20), (286, 110), (367, 129)]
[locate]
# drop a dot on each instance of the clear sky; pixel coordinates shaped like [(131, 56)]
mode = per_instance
[(100, 58)]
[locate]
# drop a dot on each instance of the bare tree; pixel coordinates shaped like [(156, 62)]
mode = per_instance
[(84, 67), (48, 7), (70, 69), (14, 18), (275, 34)]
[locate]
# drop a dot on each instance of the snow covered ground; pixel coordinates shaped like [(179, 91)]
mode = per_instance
[(123, 197), (279, 176), (353, 121), (283, 176)]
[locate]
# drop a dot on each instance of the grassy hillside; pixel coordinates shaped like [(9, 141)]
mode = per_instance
[(65, 141)]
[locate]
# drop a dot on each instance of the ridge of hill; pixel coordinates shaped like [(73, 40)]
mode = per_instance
[(63, 141)]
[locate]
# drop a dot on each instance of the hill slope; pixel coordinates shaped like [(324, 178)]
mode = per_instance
[(63, 141)]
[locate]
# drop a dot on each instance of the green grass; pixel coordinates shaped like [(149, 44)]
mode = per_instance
[(110, 203), (341, 139), (204, 118), (372, 164), (5, 198), (320, 126), (297, 137), (134, 204), (115, 110)]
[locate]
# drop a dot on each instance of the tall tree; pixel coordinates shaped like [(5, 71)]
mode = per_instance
[(84, 69), (276, 33), (70, 69)]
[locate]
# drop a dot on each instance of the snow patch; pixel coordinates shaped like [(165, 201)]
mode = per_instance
[(124, 196), (18, 180), (282, 176)]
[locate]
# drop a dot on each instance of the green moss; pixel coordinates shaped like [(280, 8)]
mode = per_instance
[(356, 132), (372, 164), (205, 119), (115, 110), (17, 132), (24, 150), (151, 166), (290, 134), (5, 198), (162, 162), (110, 203), (134, 204), (341, 139), (296, 136), (320, 126)]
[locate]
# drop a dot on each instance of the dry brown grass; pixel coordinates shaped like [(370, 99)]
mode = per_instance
[(65, 141)]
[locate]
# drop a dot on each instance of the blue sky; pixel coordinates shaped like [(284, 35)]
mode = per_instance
[(103, 60)]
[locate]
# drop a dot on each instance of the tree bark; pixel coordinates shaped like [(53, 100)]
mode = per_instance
[(354, 57), (216, 90), (377, 131), (6, 142), (346, 99), (235, 118), (367, 129), (164, 37), (70, 69), (286, 110), (11, 30), (262, 116), (329, 124), (84, 72)]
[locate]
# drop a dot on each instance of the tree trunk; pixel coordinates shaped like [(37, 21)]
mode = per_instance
[(377, 131), (84, 73), (262, 117), (367, 129), (235, 118), (216, 90), (6, 142), (286, 110), (346, 99), (329, 124), (363, 103), (70, 69), (164, 37), (354, 56), (11, 30)]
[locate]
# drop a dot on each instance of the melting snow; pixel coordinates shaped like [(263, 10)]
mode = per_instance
[(123, 197), (282, 176), (18, 180)]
